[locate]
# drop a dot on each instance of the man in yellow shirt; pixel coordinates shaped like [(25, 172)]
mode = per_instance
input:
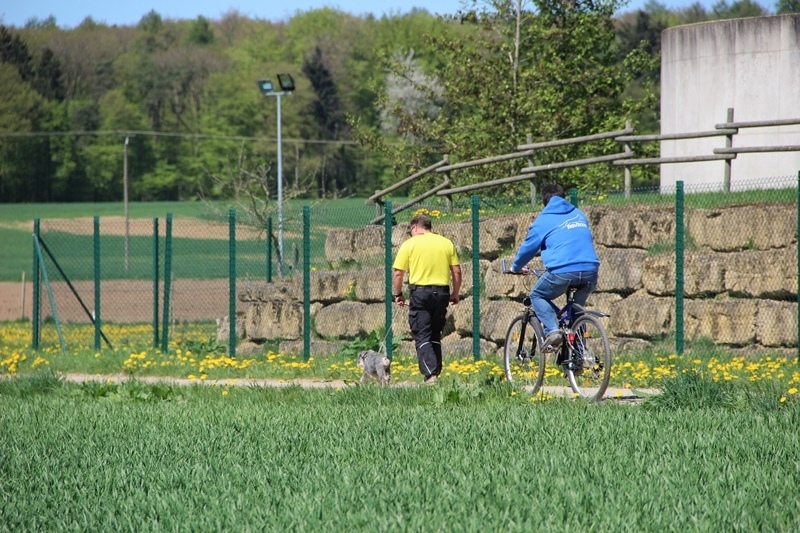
[(432, 263)]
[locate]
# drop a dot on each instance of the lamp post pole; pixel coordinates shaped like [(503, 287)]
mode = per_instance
[(286, 84), (280, 191)]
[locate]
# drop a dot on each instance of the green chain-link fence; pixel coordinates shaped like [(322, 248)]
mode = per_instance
[(685, 268)]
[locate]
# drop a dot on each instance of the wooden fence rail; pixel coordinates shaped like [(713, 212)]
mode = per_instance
[(625, 159)]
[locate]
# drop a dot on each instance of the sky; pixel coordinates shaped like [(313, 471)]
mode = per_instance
[(70, 13)]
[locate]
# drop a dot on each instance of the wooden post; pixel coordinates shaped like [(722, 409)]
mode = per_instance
[(532, 182), (23, 296), (726, 177), (628, 155)]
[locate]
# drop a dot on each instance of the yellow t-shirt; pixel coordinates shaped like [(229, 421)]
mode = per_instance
[(427, 258)]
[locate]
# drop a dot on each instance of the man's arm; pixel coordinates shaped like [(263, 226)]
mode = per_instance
[(397, 281), (455, 274), (529, 248)]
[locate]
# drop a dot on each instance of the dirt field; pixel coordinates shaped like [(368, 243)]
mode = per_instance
[(126, 301), (121, 301), (11, 300)]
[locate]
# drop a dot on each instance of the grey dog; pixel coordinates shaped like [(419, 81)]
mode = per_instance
[(375, 365)]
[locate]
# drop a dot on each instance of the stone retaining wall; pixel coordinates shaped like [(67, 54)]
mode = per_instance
[(740, 281)]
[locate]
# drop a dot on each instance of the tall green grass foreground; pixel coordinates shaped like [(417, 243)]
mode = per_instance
[(106, 457)]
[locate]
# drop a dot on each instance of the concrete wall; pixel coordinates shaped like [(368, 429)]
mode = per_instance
[(751, 65)]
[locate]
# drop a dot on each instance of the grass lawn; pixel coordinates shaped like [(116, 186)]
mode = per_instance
[(452, 457), (204, 255)]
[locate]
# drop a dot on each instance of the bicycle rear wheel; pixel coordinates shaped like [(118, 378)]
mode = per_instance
[(522, 356), (589, 366)]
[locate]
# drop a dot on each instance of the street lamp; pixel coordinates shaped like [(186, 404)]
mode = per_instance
[(286, 84)]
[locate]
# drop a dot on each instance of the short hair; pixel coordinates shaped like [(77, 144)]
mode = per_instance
[(548, 191), (421, 220)]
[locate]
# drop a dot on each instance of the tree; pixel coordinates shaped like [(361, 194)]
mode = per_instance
[(47, 76), (14, 51), (552, 72), (738, 9), (329, 117), (24, 160), (199, 32), (784, 7), (104, 161)]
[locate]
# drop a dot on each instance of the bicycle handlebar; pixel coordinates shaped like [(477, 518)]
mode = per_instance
[(535, 271)]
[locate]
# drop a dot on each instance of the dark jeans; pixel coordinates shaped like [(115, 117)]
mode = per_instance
[(427, 311), (550, 286)]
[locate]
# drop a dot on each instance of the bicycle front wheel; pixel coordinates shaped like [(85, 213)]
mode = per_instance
[(588, 368), (522, 356)]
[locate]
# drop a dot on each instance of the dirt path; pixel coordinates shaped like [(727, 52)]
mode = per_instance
[(622, 395)]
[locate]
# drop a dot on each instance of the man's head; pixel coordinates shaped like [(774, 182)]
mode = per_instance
[(548, 191), (419, 221)]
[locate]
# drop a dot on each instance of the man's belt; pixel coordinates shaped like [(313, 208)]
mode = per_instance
[(429, 287)]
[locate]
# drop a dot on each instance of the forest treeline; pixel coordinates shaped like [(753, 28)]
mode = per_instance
[(175, 102)]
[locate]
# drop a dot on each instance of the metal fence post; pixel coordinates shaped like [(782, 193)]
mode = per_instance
[(97, 283), (167, 283), (679, 232), (155, 282), (797, 240), (573, 196), (36, 312), (232, 283), (306, 283), (387, 226), (476, 280)]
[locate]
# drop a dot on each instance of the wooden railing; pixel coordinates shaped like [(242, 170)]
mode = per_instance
[(625, 159)]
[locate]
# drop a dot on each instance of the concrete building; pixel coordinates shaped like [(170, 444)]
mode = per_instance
[(751, 65)]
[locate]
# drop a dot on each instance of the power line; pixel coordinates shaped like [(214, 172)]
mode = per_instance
[(132, 133)]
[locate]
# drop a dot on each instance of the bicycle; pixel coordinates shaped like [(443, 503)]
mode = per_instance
[(584, 353)]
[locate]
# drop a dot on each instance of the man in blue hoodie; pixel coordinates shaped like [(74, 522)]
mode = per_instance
[(561, 235)]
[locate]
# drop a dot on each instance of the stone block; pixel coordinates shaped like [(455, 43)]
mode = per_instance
[(750, 227), (640, 316), (776, 323), (276, 319), (725, 321), (346, 320)]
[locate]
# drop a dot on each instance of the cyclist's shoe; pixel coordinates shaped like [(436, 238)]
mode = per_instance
[(553, 341)]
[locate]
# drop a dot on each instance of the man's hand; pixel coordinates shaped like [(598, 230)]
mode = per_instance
[(454, 299), (521, 272), (400, 300)]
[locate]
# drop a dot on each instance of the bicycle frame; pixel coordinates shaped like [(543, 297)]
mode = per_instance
[(584, 350)]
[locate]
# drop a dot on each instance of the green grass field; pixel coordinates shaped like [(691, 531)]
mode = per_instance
[(161, 457), (196, 254)]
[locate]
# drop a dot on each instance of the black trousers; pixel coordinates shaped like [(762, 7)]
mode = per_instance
[(426, 316)]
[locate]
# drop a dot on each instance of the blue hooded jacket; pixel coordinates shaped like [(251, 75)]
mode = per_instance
[(561, 233)]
